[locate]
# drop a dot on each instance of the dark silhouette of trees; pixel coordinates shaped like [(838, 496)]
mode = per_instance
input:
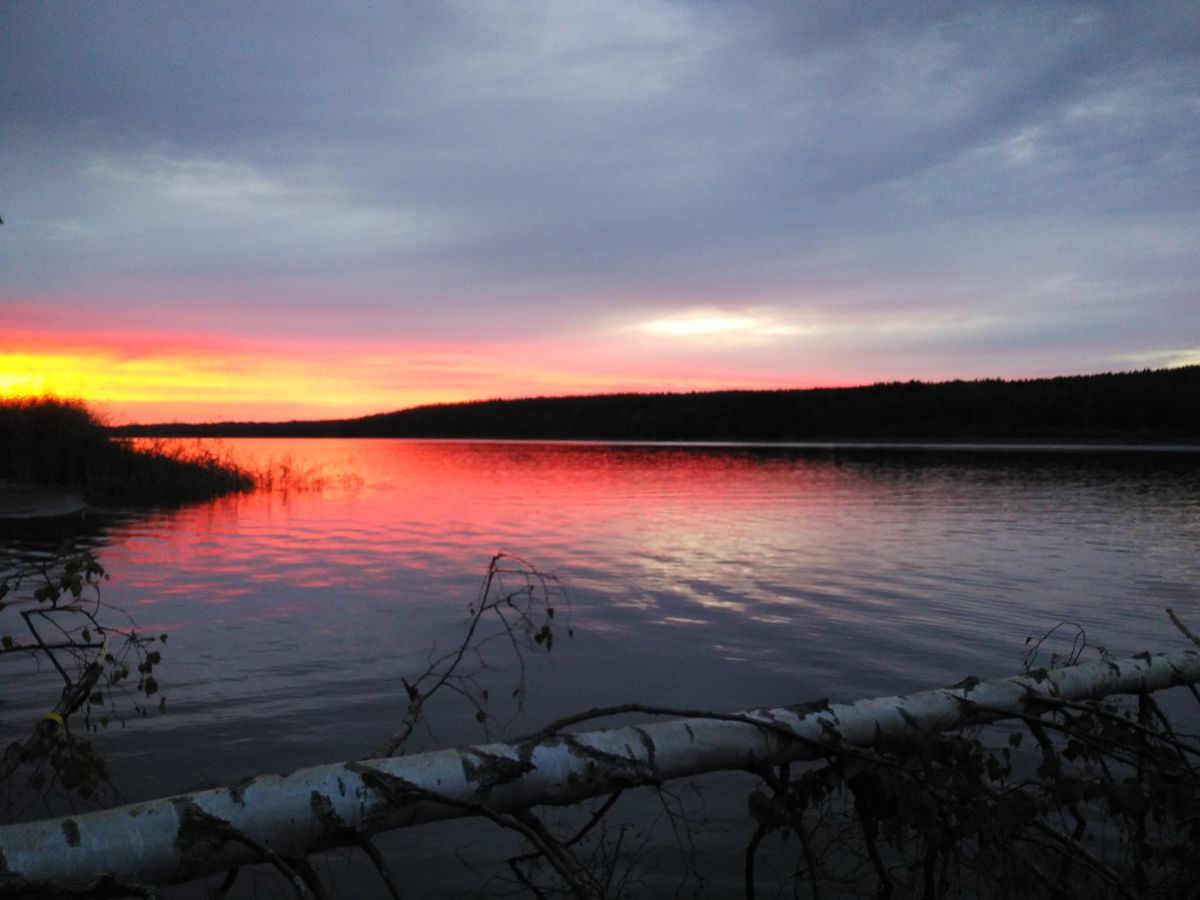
[(1151, 406)]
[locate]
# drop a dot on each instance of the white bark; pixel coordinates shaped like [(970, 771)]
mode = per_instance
[(184, 837)]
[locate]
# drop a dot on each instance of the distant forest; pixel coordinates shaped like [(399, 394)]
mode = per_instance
[(1160, 406)]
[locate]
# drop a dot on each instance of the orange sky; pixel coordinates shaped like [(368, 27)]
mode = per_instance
[(156, 377)]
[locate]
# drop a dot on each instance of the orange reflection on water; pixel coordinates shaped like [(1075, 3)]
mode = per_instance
[(358, 508)]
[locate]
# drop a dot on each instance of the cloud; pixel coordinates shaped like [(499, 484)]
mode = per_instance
[(227, 187), (476, 172), (1162, 359), (721, 327), (306, 209)]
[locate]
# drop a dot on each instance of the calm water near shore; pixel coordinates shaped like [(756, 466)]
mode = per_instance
[(721, 577)]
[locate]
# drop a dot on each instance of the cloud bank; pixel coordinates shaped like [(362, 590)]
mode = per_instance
[(767, 193)]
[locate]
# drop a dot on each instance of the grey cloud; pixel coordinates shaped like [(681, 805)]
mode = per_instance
[(564, 160)]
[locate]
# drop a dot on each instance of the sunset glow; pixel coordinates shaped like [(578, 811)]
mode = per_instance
[(229, 384), (190, 380), (224, 384)]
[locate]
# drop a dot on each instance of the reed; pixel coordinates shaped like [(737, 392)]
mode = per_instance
[(61, 443)]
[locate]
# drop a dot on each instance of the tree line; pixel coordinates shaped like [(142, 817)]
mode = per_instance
[(1151, 405)]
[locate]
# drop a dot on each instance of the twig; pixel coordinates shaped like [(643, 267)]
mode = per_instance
[(1075, 847), (399, 791), (446, 671), (751, 850), (870, 828), (810, 858), (302, 882), (514, 864), (1183, 628), (304, 869), (223, 889), (1170, 739), (27, 615), (557, 854), (596, 817), (380, 864)]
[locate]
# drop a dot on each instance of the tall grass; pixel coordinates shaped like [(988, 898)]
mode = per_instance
[(275, 475), (61, 443), (286, 476)]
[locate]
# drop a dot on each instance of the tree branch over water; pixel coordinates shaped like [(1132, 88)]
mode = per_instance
[(94, 651)]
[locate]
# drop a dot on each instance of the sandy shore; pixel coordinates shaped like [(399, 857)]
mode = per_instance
[(35, 501)]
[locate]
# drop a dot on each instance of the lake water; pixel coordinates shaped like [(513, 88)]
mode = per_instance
[(717, 577)]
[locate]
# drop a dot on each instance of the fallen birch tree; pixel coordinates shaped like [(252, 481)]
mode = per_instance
[(280, 819)]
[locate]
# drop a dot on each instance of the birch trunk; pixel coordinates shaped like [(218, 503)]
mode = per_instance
[(189, 836)]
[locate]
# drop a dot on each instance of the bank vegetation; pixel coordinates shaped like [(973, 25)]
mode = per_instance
[(60, 445)]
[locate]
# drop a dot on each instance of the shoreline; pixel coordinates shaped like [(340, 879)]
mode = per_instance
[(20, 501), (1032, 445)]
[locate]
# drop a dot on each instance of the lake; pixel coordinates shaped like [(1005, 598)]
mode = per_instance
[(721, 577)]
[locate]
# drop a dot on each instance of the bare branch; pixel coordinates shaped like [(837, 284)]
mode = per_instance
[(1191, 636)]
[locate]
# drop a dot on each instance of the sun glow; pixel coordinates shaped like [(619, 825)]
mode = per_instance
[(16, 380), (711, 324), (172, 377), (130, 373), (214, 384)]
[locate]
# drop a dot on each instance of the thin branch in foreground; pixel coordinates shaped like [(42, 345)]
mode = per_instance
[(381, 866), (401, 792), (523, 620), (1190, 635)]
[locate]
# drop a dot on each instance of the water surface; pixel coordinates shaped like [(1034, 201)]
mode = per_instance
[(718, 577)]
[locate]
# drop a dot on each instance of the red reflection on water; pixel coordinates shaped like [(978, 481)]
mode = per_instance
[(431, 491), (348, 523)]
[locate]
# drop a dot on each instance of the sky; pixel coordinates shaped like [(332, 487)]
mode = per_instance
[(229, 211)]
